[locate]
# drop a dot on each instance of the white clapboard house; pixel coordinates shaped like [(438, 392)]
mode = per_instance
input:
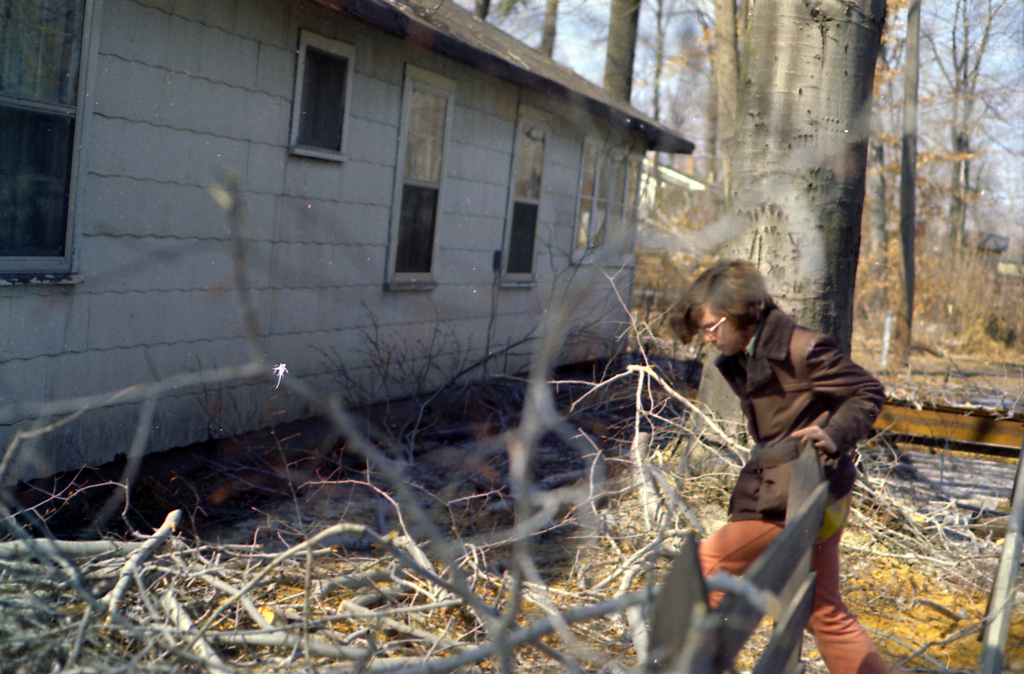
[(401, 179)]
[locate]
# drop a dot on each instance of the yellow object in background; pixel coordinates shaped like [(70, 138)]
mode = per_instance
[(835, 517)]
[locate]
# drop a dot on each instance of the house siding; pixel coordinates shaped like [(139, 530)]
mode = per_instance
[(180, 95)]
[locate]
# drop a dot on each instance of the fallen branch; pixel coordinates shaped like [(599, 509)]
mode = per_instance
[(177, 614), (134, 564), (70, 549)]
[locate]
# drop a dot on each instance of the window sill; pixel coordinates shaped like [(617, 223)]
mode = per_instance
[(398, 286), (8, 279), (315, 153), (600, 258), (518, 283)]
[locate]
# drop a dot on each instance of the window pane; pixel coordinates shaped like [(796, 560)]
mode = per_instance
[(597, 229), (604, 180), (616, 231), (425, 145), (589, 165), (520, 246), (40, 49), (35, 170), (587, 186), (583, 224), (323, 100), (416, 229), (633, 175), (618, 182), (529, 162)]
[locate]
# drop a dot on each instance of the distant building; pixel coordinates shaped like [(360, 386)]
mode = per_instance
[(987, 242), (671, 201), (409, 176)]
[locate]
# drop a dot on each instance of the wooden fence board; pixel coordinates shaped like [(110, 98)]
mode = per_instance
[(681, 603), (788, 633)]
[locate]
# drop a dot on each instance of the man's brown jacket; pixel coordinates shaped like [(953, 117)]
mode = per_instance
[(796, 378)]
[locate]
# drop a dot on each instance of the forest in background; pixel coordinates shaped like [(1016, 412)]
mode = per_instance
[(969, 227)]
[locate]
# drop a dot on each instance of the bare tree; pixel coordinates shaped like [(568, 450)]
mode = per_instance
[(803, 121), (547, 34), (726, 85), (877, 184), (908, 186), (960, 62), (622, 31), (798, 169)]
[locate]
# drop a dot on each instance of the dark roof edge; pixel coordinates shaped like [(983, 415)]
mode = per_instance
[(659, 138)]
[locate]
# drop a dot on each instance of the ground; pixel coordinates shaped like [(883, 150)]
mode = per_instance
[(915, 571)]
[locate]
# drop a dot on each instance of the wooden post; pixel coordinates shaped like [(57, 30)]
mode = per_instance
[(1000, 604)]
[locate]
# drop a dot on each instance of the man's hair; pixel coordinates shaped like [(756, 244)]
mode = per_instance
[(731, 288)]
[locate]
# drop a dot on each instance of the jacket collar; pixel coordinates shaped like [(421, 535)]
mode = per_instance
[(773, 344)]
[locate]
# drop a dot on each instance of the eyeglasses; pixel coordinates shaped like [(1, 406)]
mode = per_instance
[(710, 330)]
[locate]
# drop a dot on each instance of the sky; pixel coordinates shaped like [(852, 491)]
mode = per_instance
[(580, 45), (579, 31)]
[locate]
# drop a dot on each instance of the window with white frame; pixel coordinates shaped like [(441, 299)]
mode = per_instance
[(40, 63), (524, 201), (428, 101), (607, 207), (323, 81)]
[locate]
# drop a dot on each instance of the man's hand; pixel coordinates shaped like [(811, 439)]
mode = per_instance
[(816, 434)]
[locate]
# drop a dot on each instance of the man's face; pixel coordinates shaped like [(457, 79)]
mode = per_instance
[(721, 332)]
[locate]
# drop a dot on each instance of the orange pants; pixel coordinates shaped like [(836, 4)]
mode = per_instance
[(843, 643)]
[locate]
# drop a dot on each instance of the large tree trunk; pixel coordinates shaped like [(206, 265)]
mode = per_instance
[(967, 51), (908, 190), (547, 35), (726, 70), (622, 31), (801, 143), (802, 128)]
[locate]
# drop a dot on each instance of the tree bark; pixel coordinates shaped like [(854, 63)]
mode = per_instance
[(547, 35), (802, 127), (908, 186), (967, 52), (801, 143), (959, 186), (877, 189), (726, 71), (877, 185), (622, 32), (659, 57)]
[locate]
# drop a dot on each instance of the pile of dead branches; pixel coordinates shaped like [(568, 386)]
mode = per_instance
[(421, 594)]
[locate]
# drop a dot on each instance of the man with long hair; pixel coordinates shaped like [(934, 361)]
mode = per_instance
[(798, 392)]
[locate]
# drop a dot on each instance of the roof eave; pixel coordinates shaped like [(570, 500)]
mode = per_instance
[(657, 137)]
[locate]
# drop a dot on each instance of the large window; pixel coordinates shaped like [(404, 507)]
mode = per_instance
[(40, 60), (607, 207), (528, 168), (426, 120), (322, 84)]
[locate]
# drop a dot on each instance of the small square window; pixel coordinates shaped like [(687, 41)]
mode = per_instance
[(323, 82), (35, 178)]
